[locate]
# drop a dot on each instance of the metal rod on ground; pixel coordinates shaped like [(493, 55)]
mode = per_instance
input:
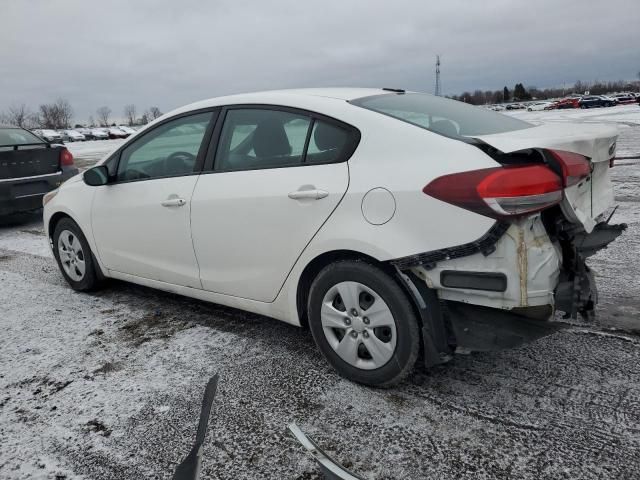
[(331, 469)]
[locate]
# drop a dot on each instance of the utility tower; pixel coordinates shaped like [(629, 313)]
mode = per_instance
[(438, 76)]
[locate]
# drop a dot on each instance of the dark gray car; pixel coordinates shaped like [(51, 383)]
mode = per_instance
[(29, 168)]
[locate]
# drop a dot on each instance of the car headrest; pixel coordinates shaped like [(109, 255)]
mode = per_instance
[(445, 127), (327, 136), (270, 139)]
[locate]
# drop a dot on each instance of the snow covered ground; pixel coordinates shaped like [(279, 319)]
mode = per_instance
[(108, 385), (88, 153)]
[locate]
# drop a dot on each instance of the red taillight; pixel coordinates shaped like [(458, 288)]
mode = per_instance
[(66, 159), (500, 192), (575, 167)]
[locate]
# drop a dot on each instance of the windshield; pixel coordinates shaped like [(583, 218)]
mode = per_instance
[(17, 136), (441, 115)]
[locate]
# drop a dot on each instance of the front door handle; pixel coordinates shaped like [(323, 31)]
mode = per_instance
[(308, 194), (173, 202)]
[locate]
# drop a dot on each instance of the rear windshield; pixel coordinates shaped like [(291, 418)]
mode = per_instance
[(17, 136), (441, 115)]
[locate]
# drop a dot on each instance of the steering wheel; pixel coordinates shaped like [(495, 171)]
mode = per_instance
[(179, 162)]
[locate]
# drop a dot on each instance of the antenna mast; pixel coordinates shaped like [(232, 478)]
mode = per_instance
[(438, 92)]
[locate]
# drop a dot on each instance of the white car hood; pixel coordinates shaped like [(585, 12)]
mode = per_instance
[(590, 140)]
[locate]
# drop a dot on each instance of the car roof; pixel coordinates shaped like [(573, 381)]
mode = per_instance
[(276, 96)]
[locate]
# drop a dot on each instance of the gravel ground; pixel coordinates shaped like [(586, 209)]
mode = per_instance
[(108, 385)]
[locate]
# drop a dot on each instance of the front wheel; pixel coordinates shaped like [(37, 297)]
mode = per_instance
[(73, 254), (363, 323)]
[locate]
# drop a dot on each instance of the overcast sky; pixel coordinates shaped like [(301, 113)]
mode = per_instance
[(168, 53)]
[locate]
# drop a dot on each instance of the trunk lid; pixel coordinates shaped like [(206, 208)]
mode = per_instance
[(28, 161), (585, 202)]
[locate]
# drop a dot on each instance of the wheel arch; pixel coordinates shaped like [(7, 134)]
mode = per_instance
[(313, 268), (54, 220), (51, 226)]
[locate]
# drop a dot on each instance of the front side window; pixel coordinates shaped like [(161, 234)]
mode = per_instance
[(441, 115), (169, 150), (261, 138)]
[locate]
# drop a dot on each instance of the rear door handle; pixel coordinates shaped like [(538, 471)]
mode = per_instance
[(173, 202), (308, 194)]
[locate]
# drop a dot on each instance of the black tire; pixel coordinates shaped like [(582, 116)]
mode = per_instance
[(91, 277), (407, 333)]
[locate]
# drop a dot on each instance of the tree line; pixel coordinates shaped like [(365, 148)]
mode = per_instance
[(521, 93), (58, 115)]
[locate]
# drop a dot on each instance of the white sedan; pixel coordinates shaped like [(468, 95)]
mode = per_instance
[(73, 136), (391, 223), (535, 107)]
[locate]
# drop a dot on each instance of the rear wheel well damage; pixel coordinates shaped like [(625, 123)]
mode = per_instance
[(425, 310), (314, 267)]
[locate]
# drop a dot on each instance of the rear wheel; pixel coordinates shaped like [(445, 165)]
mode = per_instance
[(74, 256), (363, 323)]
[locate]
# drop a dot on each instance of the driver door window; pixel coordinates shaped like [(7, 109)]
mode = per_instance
[(169, 150)]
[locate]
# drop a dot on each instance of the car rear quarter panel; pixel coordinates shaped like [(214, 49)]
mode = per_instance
[(401, 158)]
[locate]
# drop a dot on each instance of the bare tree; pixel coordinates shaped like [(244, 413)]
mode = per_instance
[(54, 115), (103, 116), (65, 112), (130, 114), (154, 112), (92, 123), (19, 115), (48, 116)]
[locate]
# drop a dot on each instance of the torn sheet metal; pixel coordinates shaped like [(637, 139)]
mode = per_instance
[(331, 469)]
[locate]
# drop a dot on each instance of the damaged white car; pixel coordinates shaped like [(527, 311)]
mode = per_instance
[(394, 224)]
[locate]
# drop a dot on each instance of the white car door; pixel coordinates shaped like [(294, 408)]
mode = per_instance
[(141, 219), (277, 176)]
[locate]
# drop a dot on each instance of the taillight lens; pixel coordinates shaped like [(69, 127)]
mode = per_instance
[(66, 158), (501, 192), (575, 167)]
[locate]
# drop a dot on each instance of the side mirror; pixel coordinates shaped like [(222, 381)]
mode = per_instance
[(96, 176)]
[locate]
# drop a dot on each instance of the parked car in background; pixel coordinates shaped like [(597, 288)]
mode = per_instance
[(539, 106), (286, 204), (115, 132), (86, 132), (571, 102), (73, 136), (127, 130), (50, 136), (593, 101), (99, 134), (624, 98), (29, 168)]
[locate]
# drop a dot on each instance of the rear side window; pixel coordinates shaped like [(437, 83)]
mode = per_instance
[(441, 115), (261, 138), (327, 143), (255, 138)]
